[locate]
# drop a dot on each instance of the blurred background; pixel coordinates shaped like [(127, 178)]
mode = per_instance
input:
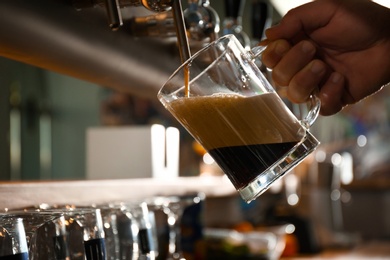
[(337, 197)]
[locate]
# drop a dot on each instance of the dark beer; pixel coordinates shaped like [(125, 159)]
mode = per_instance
[(244, 135), (244, 163)]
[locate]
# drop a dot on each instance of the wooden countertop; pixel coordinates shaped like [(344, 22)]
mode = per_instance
[(22, 194)]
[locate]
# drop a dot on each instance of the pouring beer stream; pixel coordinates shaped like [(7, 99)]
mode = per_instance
[(184, 47)]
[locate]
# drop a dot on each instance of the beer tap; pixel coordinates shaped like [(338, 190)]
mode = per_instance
[(232, 24), (63, 36), (202, 21), (113, 14), (153, 5), (115, 19), (113, 7), (261, 19)]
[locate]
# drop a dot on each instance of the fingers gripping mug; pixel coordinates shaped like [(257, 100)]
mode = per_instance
[(232, 110)]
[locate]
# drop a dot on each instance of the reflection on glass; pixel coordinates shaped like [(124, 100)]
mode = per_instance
[(173, 207), (144, 244), (32, 220), (13, 240)]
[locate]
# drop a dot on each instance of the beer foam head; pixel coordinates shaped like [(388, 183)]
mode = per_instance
[(222, 120)]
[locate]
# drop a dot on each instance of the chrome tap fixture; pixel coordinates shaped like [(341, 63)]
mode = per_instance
[(153, 5), (202, 21), (113, 7), (232, 24)]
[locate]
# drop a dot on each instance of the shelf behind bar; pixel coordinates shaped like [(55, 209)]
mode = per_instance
[(86, 192)]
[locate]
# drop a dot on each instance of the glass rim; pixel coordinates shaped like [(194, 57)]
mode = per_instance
[(227, 37)]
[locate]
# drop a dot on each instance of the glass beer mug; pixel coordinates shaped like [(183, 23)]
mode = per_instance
[(225, 102)]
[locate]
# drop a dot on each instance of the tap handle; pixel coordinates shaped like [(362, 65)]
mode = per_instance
[(261, 18), (232, 8)]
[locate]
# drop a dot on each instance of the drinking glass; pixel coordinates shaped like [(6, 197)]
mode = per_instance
[(110, 214), (49, 240), (173, 206), (85, 232), (33, 219), (60, 239), (225, 102), (13, 240), (143, 235)]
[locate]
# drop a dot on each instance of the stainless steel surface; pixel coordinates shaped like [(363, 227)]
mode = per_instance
[(155, 25), (181, 30), (54, 36), (76, 38), (153, 5)]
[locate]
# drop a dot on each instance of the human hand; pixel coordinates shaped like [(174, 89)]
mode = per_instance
[(340, 47)]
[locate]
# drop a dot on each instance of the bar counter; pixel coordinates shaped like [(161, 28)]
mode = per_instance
[(83, 192)]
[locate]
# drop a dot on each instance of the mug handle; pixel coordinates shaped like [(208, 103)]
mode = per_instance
[(314, 102)]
